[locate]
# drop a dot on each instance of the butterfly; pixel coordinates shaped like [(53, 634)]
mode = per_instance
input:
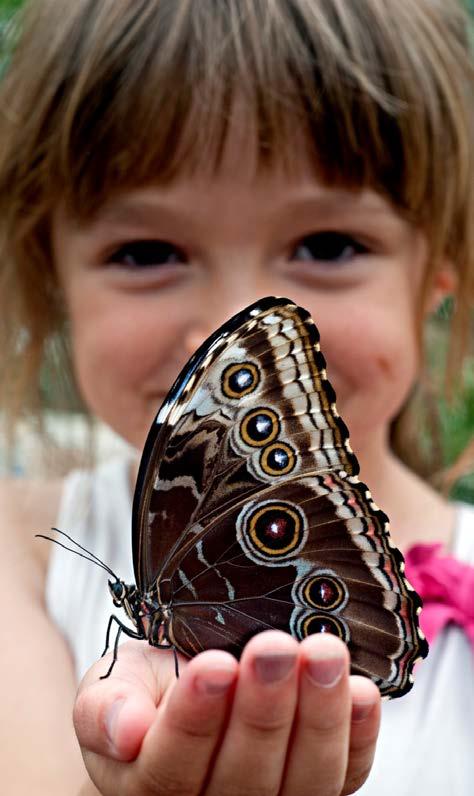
[(248, 513)]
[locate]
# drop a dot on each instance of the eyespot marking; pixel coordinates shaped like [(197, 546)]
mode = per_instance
[(259, 427), (272, 531), (278, 458), (319, 623), (240, 379), (324, 592)]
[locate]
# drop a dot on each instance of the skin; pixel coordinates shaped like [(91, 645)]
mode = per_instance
[(137, 313)]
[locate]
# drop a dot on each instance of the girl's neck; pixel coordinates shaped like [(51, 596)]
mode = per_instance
[(417, 512)]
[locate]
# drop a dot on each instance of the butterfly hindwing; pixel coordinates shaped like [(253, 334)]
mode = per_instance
[(307, 556)]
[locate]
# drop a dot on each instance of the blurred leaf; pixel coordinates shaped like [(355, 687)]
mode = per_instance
[(7, 6), (457, 430)]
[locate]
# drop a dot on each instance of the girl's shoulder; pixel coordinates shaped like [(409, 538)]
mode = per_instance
[(27, 508), (76, 502), (23, 501)]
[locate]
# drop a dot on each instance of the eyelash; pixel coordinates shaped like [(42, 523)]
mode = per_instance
[(324, 246), (146, 254), (334, 247)]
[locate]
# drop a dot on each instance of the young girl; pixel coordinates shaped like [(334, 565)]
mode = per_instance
[(164, 163)]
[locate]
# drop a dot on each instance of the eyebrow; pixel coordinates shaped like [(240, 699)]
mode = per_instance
[(141, 209), (127, 209)]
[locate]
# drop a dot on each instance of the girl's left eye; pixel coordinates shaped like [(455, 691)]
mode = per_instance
[(333, 247), (146, 254)]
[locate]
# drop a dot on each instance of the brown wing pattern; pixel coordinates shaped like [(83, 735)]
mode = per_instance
[(248, 512), (195, 458), (328, 565)]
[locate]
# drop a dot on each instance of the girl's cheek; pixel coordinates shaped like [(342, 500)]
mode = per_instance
[(372, 366), (124, 365)]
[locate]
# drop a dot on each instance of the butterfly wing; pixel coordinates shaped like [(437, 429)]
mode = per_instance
[(247, 443), (310, 555), (195, 459)]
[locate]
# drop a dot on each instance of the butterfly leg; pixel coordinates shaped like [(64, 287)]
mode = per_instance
[(121, 629), (169, 646), (176, 663), (107, 635)]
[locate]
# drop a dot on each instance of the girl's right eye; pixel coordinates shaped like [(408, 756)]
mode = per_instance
[(146, 254), (329, 247)]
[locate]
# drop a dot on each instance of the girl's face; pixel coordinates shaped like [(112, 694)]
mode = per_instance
[(160, 268)]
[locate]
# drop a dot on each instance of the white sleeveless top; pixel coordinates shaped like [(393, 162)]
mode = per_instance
[(426, 743)]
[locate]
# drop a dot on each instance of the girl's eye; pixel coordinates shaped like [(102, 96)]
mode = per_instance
[(334, 247), (146, 254)]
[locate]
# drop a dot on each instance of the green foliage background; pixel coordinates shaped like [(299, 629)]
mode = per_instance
[(457, 417), (7, 6)]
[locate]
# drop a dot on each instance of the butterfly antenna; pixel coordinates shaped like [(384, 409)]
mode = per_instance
[(91, 557), (89, 553)]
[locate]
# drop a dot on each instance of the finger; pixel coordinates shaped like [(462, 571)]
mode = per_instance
[(252, 755), (364, 731), (177, 751), (112, 716), (317, 761)]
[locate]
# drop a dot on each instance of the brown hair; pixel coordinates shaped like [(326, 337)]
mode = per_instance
[(102, 95)]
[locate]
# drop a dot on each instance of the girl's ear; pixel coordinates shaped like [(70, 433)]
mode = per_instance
[(444, 284)]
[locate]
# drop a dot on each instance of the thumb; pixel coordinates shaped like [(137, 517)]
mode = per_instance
[(112, 716)]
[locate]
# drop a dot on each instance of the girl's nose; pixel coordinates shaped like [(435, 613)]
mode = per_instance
[(234, 278), (193, 339), (214, 314)]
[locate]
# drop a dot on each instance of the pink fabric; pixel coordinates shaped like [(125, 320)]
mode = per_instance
[(446, 586)]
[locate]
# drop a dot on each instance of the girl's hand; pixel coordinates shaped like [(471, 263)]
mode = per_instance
[(286, 720)]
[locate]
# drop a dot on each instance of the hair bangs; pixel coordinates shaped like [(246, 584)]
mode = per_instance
[(159, 99)]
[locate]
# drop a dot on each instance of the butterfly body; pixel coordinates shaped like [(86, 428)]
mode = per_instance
[(150, 617)]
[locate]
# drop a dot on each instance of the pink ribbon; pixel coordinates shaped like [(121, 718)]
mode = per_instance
[(446, 586)]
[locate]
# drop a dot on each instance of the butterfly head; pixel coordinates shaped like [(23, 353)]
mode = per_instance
[(119, 592)]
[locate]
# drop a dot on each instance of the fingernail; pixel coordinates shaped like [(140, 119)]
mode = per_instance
[(274, 668), (215, 682), (325, 672), (111, 718), (360, 711)]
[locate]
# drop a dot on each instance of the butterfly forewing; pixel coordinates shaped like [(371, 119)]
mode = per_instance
[(248, 513), (196, 456)]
